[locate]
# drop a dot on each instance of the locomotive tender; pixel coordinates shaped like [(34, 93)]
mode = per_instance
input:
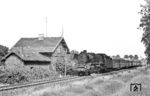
[(89, 63)]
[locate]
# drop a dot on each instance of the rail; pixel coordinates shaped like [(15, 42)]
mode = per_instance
[(64, 79), (16, 86)]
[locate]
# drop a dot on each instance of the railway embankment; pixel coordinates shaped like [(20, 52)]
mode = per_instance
[(96, 85), (116, 85)]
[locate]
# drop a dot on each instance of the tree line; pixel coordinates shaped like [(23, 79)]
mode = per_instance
[(131, 57), (3, 51)]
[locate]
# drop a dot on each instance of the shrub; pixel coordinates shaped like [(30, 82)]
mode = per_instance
[(60, 68), (39, 73), (25, 74), (67, 62)]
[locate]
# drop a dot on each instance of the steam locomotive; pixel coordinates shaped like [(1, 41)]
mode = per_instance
[(89, 63)]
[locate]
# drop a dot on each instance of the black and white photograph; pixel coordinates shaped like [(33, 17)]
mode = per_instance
[(74, 47)]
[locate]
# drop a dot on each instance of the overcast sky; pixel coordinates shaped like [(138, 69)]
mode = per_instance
[(103, 26)]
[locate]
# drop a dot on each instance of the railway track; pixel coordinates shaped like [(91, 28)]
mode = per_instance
[(56, 81), (17, 86)]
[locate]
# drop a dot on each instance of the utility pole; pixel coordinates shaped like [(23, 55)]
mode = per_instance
[(46, 25), (65, 66), (62, 31), (64, 55)]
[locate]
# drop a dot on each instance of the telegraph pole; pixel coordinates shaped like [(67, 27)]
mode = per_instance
[(46, 25), (65, 67), (62, 31), (64, 55)]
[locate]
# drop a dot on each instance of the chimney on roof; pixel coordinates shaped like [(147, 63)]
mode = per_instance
[(41, 36)]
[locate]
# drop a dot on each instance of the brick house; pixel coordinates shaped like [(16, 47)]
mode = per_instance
[(36, 52)]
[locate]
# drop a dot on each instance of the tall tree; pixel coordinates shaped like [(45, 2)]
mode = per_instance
[(145, 26), (118, 56), (136, 57), (131, 56), (126, 56), (3, 50)]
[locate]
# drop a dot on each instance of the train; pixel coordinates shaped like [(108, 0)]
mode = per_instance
[(89, 63)]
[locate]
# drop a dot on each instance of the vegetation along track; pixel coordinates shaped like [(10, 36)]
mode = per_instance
[(56, 81)]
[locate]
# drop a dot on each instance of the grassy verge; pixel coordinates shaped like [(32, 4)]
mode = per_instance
[(117, 86)]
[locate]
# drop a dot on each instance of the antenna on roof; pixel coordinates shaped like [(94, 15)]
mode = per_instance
[(46, 26), (62, 31)]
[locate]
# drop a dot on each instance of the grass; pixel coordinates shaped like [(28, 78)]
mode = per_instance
[(142, 77), (94, 89), (144, 80), (117, 86)]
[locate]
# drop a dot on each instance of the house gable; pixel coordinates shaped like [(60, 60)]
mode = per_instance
[(10, 54), (61, 48), (13, 62)]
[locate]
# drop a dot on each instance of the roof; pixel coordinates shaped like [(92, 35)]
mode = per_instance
[(35, 42), (48, 44), (29, 57), (30, 49)]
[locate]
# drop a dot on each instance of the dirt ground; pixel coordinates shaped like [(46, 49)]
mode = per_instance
[(122, 84)]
